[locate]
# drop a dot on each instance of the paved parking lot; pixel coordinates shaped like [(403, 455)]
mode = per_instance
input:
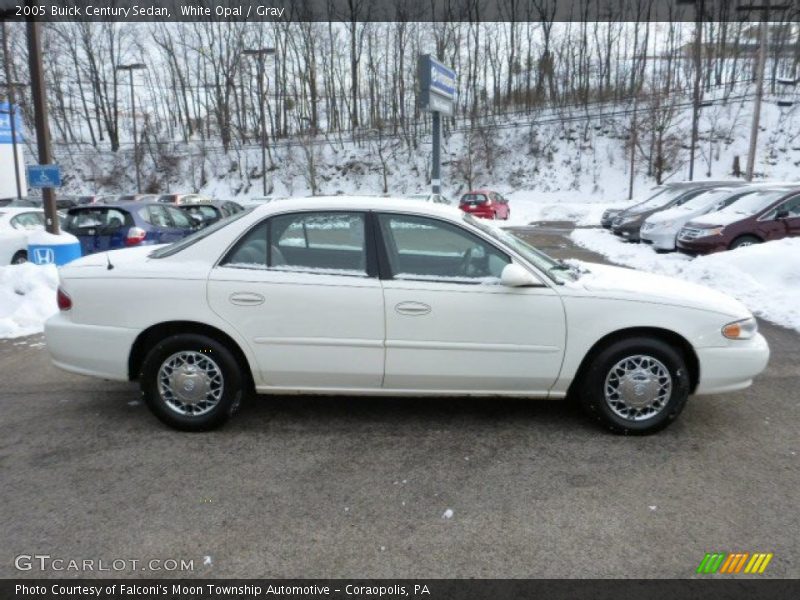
[(358, 487)]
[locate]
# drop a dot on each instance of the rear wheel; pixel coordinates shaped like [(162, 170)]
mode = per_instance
[(19, 258), (744, 240), (635, 386), (191, 382)]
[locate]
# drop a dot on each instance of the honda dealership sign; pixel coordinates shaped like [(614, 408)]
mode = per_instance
[(437, 85), (8, 183)]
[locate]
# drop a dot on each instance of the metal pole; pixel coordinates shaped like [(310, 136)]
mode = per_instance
[(762, 57), (135, 137), (698, 63), (436, 183), (11, 111), (40, 117), (263, 124)]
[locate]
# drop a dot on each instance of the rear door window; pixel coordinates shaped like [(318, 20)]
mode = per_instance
[(178, 218), (90, 221), (28, 220)]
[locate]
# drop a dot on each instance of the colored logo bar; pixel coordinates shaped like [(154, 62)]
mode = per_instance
[(734, 562)]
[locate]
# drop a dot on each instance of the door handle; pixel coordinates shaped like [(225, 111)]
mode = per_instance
[(412, 309), (246, 299)]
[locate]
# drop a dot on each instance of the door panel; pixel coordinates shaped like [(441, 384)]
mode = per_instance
[(460, 330), (296, 288)]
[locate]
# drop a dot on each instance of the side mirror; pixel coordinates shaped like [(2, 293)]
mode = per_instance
[(516, 276), (782, 214)]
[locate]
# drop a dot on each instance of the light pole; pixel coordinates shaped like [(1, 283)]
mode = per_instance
[(130, 69), (763, 42), (698, 63), (261, 54)]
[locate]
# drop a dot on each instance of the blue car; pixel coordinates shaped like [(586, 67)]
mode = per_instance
[(101, 227)]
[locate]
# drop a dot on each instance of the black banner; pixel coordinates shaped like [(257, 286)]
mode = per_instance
[(434, 589), (448, 11)]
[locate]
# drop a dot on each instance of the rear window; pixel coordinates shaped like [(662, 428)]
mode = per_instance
[(195, 237), (473, 198), (99, 218)]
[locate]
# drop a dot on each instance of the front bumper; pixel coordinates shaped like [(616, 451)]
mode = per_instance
[(628, 231), (660, 240), (733, 367), (704, 245), (98, 351)]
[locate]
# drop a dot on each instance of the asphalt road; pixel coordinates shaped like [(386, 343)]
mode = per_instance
[(340, 487)]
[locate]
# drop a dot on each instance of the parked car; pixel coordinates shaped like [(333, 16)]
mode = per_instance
[(183, 198), (628, 222), (348, 295), (758, 217), (608, 216), (101, 227), (486, 204), (661, 229), (62, 202), (204, 214), (15, 224), (435, 198)]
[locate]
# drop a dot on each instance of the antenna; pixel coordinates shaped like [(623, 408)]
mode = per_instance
[(108, 260)]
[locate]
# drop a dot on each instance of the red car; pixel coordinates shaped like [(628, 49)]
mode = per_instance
[(486, 204)]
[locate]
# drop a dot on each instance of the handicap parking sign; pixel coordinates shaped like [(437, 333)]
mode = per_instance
[(44, 176)]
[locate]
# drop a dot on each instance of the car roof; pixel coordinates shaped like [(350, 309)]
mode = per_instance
[(360, 203), (19, 209), (125, 205)]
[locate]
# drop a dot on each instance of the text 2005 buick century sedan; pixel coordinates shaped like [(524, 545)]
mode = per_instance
[(381, 297)]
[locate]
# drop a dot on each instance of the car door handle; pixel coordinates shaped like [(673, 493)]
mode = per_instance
[(412, 309), (246, 299)]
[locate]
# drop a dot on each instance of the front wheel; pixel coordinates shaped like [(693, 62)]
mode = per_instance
[(744, 240), (191, 382), (19, 258), (635, 386)]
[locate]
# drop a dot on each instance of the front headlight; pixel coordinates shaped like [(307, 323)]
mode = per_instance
[(741, 330), (708, 231)]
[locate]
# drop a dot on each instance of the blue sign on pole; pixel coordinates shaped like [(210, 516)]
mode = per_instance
[(7, 112), (44, 176)]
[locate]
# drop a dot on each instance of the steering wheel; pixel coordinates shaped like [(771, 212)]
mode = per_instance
[(466, 267)]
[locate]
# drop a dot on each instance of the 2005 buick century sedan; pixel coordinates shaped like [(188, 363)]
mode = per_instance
[(376, 296)]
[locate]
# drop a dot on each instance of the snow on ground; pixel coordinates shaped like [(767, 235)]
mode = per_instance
[(27, 298), (765, 277), (529, 206)]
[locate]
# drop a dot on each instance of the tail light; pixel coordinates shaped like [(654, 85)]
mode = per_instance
[(135, 236), (63, 299)]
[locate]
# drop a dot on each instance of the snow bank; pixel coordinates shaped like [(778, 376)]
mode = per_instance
[(765, 277), (531, 206), (27, 298)]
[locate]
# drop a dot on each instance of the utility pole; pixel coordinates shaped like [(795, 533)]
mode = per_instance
[(40, 117), (699, 13), (260, 54), (130, 69), (11, 109), (762, 58)]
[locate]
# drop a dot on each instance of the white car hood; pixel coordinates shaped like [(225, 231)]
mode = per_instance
[(721, 217), (672, 214), (629, 284)]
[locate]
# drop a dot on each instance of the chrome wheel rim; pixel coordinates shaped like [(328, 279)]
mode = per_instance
[(638, 387), (190, 383)]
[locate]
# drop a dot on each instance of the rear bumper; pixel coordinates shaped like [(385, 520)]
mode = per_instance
[(659, 240), (733, 367), (98, 351)]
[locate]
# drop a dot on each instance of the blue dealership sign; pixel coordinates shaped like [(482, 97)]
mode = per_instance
[(437, 85), (44, 176), (5, 123)]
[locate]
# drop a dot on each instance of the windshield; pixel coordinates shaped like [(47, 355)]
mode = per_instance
[(197, 236), (660, 198), (750, 204), (555, 269), (706, 199)]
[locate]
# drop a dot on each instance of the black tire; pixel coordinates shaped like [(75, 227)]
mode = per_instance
[(196, 347), (592, 387), (744, 240), (19, 258)]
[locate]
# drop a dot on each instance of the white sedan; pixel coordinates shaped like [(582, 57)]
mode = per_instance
[(15, 224), (375, 296)]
